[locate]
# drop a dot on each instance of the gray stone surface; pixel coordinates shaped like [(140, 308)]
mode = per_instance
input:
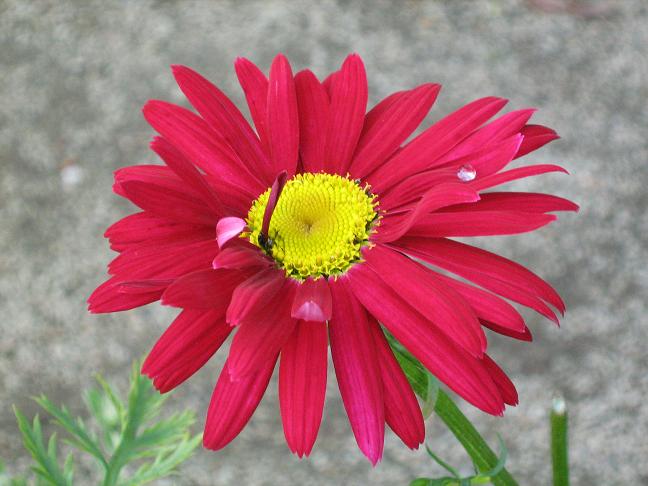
[(72, 80)]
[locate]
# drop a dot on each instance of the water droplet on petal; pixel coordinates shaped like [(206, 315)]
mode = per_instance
[(466, 173)]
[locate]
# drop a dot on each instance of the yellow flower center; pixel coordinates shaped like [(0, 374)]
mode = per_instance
[(318, 227)]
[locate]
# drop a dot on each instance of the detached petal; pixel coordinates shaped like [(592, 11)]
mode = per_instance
[(228, 228), (233, 403), (302, 385)]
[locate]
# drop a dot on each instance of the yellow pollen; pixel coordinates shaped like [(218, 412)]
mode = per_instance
[(318, 227)]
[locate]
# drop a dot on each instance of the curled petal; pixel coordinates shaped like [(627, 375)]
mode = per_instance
[(228, 228), (313, 301)]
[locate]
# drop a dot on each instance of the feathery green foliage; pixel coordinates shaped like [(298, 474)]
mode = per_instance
[(122, 433)]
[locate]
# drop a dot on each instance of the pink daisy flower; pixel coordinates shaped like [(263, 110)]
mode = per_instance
[(309, 231)]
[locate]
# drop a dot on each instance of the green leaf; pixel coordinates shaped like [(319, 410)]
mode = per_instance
[(45, 457), (81, 437)]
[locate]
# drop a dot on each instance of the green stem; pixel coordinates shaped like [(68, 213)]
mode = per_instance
[(559, 443), (476, 447)]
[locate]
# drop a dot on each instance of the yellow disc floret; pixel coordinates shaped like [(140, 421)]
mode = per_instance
[(318, 227)]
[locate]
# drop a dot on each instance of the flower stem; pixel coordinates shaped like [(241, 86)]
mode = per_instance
[(559, 443), (476, 447)]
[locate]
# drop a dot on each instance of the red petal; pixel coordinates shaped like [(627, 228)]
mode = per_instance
[(313, 301), (260, 337), (282, 120), (235, 257), (255, 87), (423, 152), (482, 267), (514, 174), (314, 107), (187, 172), (525, 335), (402, 411), (357, 370), (163, 262), (146, 229), (302, 385), (254, 294), (499, 129), (463, 373), (485, 305), (529, 202), (204, 289), (348, 104), (393, 227), (397, 122), (435, 300), (479, 223), (167, 203), (188, 343), (504, 384), (191, 135), (535, 136), (108, 298), (225, 118), (233, 403)]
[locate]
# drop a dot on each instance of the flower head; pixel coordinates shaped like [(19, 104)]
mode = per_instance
[(310, 230)]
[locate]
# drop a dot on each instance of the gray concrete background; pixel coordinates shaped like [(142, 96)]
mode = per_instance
[(73, 77)]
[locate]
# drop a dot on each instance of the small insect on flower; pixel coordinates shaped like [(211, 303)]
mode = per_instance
[(309, 230)]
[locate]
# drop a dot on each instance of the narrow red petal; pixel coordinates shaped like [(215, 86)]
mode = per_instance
[(282, 122), (514, 174), (255, 86), (529, 202), (314, 112), (204, 289), (394, 126), (164, 202), (463, 373), (235, 257), (254, 293), (393, 227), (179, 164), (349, 94), (261, 336), (425, 150), (480, 266), (503, 382), (446, 309), (199, 143), (313, 301), (302, 385), (479, 223), (109, 298), (402, 411), (188, 343), (224, 117), (535, 136), (233, 403), (357, 370)]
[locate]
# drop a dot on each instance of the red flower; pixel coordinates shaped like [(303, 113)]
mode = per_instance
[(300, 234)]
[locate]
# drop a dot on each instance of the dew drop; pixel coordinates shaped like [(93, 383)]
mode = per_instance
[(466, 173)]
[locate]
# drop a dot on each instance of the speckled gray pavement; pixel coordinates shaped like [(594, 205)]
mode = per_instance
[(73, 77)]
